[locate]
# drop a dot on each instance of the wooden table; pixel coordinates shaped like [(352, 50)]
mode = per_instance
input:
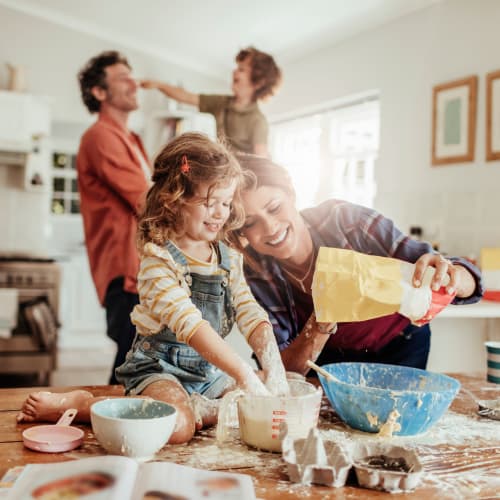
[(452, 470)]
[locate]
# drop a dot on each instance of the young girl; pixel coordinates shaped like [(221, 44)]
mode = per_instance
[(192, 290)]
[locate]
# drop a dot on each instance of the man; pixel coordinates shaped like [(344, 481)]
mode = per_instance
[(238, 117), (113, 177)]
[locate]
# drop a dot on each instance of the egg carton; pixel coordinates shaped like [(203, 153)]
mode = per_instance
[(379, 466), (312, 460), (382, 466)]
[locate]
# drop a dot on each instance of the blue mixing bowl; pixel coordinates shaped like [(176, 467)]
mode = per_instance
[(366, 393)]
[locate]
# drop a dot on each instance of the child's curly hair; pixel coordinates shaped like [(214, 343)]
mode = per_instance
[(265, 73), (175, 182)]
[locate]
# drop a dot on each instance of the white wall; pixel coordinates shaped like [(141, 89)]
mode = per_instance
[(53, 54), (457, 205)]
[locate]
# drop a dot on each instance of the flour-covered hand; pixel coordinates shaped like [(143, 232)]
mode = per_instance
[(252, 384), (277, 383), (274, 371)]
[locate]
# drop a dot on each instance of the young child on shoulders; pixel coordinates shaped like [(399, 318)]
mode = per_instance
[(192, 289), (238, 117)]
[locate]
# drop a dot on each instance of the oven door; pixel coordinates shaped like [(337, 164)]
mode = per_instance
[(26, 336)]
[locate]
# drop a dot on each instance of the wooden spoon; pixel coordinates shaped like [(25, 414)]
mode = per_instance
[(320, 370)]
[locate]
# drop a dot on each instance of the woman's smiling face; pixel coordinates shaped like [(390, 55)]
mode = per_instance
[(272, 224)]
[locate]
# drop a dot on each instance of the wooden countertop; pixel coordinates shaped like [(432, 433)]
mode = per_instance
[(453, 469)]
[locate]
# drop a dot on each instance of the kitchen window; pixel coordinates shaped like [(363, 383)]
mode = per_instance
[(331, 152), (65, 196), (65, 200)]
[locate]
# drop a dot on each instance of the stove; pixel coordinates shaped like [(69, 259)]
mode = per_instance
[(31, 349)]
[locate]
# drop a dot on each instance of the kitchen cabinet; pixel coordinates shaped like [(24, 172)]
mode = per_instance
[(65, 199), (24, 137), (65, 196), (83, 320), (23, 117)]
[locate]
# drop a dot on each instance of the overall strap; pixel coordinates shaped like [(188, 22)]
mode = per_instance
[(176, 254), (225, 261)]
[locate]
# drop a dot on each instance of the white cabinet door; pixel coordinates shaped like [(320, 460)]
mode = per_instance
[(83, 318), (23, 116)]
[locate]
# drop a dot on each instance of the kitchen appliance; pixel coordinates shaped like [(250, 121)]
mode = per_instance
[(31, 349)]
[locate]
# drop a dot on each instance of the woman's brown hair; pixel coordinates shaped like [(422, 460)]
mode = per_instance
[(258, 171), (180, 167)]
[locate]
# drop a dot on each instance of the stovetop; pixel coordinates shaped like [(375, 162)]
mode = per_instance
[(20, 256), (28, 272), (4, 258)]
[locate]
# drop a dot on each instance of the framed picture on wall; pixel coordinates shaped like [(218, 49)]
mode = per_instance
[(493, 116), (454, 121)]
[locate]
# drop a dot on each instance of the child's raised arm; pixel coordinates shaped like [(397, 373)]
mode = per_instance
[(176, 93), (217, 351)]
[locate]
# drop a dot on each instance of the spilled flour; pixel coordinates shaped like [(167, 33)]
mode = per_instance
[(473, 473), (451, 429)]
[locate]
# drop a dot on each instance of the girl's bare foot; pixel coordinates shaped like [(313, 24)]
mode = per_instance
[(205, 410), (49, 406)]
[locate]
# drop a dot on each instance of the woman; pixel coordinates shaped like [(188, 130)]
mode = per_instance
[(280, 246)]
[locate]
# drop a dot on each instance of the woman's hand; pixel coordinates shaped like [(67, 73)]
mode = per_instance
[(454, 277)]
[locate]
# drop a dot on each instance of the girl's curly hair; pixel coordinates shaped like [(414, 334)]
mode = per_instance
[(175, 185)]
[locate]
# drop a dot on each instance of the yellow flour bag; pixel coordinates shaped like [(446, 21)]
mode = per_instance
[(351, 286)]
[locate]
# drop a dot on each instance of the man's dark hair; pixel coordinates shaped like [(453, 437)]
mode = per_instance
[(93, 74)]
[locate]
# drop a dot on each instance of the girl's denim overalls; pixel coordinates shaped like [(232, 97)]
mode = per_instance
[(161, 356)]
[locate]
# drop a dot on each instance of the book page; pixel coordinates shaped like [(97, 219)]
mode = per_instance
[(169, 481), (96, 478), (8, 480)]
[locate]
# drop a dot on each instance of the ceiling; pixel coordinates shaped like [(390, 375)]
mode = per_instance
[(205, 35)]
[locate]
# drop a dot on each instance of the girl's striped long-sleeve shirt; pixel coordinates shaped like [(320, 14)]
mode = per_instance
[(166, 303)]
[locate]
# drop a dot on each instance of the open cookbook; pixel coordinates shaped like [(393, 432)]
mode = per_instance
[(121, 478)]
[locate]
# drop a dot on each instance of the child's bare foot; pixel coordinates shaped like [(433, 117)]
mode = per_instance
[(205, 410), (49, 406)]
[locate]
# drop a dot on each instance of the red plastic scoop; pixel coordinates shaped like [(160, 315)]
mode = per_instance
[(54, 438)]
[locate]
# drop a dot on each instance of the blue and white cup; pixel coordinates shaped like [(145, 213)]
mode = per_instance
[(493, 360)]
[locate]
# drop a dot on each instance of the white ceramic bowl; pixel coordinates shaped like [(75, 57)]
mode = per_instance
[(133, 427)]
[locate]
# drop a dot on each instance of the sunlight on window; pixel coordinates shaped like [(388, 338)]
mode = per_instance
[(331, 154), (296, 146)]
